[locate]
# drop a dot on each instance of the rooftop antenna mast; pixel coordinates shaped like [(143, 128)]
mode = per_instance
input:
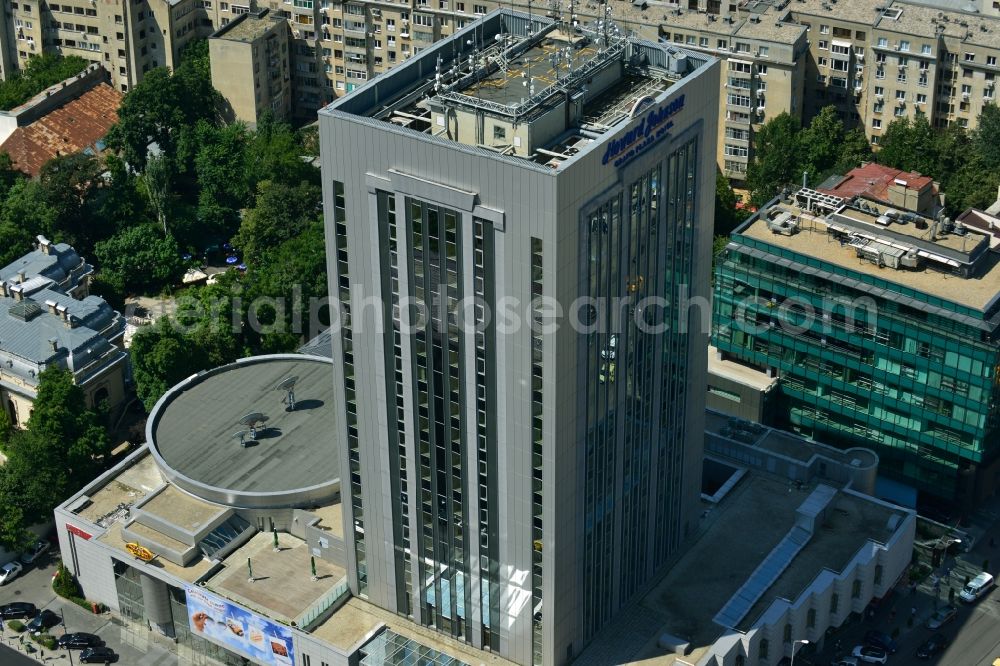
[(288, 385)]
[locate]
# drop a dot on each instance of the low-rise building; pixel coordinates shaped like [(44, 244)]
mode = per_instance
[(815, 548), (70, 117), (882, 328), (47, 317), (901, 190), (225, 532), (232, 545)]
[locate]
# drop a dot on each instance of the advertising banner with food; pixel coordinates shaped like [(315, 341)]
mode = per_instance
[(222, 622)]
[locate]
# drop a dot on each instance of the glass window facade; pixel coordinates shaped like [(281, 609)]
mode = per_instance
[(639, 245), (878, 364), (343, 295)]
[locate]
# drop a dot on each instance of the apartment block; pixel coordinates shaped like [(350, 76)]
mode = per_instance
[(876, 64), (250, 66), (763, 72), (882, 327)]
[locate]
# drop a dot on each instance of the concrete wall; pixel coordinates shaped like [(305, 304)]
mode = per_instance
[(736, 399)]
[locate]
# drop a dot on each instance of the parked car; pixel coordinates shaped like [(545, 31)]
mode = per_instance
[(33, 553), (98, 655), (932, 646), (870, 654), (977, 587), (17, 610), (880, 639), (845, 661), (942, 617), (44, 620), (9, 572), (79, 640)]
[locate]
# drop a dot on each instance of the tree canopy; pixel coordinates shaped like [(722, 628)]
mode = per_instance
[(163, 103), (62, 448), (784, 151), (964, 163)]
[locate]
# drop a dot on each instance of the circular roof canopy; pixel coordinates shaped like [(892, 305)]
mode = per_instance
[(293, 461)]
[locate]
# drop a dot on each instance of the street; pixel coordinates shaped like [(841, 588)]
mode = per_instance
[(974, 633), (11, 657)]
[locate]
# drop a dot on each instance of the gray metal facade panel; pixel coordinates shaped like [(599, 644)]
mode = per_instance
[(534, 202)]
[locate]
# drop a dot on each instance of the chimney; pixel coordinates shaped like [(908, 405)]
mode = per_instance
[(54, 344), (71, 321), (3, 289), (16, 292), (44, 244), (61, 311), (51, 306), (20, 277)]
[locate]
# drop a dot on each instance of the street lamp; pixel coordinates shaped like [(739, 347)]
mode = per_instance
[(803, 641), (62, 616)]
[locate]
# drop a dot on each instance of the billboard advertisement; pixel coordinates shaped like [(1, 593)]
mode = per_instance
[(246, 633)]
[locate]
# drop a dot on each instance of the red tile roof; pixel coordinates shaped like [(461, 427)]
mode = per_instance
[(873, 181), (70, 129)]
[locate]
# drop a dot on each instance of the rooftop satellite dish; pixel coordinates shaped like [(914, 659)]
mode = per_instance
[(252, 420), (288, 386), (242, 436)]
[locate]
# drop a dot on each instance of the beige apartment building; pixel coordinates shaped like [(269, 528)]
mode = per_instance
[(874, 63), (250, 66)]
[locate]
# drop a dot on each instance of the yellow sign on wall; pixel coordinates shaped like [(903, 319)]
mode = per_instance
[(141, 552)]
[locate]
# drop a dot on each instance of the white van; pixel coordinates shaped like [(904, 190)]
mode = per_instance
[(976, 588)]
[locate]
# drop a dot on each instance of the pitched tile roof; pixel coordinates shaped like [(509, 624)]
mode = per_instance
[(873, 181), (72, 128)]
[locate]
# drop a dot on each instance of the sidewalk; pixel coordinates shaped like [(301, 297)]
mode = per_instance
[(893, 615), (132, 649)]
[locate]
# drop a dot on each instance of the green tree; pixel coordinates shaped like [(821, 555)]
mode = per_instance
[(61, 449), (68, 186), (854, 150), (161, 357), (221, 168), (909, 144), (118, 201), (821, 144), (15, 240), (162, 104), (140, 258), (156, 181), (282, 212), (275, 154), (986, 137), (726, 215), (777, 158)]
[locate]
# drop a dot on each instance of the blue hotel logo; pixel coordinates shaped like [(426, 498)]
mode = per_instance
[(653, 127)]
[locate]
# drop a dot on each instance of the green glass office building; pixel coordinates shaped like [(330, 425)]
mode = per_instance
[(882, 328)]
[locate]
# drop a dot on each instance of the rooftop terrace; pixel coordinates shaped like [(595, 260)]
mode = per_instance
[(248, 27), (283, 586), (758, 514), (820, 236), (129, 487), (512, 69)]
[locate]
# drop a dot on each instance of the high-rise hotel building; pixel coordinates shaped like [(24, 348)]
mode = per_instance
[(515, 485)]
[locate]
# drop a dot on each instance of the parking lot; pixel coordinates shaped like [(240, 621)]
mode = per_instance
[(34, 585)]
